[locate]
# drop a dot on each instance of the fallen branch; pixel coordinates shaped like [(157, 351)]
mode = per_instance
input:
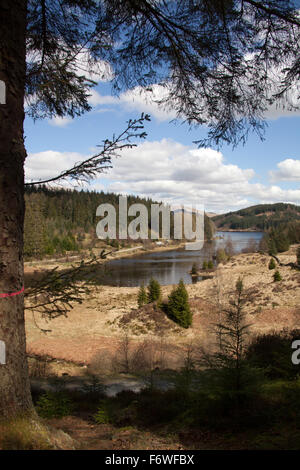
[(292, 265)]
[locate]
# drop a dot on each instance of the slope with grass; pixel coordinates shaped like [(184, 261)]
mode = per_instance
[(259, 218)]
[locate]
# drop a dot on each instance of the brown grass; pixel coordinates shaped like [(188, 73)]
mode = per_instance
[(96, 327)]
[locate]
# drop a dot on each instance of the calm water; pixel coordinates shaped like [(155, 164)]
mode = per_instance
[(170, 266)]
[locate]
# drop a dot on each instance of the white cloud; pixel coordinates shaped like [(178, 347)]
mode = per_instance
[(96, 99), (146, 100), (288, 170), (60, 121), (44, 165), (171, 172), (175, 173), (141, 99)]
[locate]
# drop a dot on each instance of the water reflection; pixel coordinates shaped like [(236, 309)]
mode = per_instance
[(171, 266)]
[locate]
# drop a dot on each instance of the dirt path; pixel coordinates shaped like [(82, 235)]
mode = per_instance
[(91, 436)]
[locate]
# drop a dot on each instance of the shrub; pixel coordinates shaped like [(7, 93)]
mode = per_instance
[(115, 244), (272, 353), (272, 264), (204, 265), (156, 406), (210, 265), (154, 291), (221, 255), (178, 306), (277, 276), (54, 405)]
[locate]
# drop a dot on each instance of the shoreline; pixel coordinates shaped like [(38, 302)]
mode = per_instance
[(47, 264), (239, 231), (71, 258), (142, 250)]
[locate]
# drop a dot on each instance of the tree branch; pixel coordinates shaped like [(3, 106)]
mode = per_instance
[(89, 168), (274, 11)]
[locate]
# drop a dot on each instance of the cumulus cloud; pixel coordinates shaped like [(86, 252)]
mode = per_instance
[(44, 165), (137, 99), (173, 173), (288, 170), (58, 121)]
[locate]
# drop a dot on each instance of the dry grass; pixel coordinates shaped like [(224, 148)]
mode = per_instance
[(96, 327), (26, 433)]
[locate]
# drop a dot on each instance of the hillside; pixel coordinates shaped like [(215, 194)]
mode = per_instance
[(261, 217), (60, 220)]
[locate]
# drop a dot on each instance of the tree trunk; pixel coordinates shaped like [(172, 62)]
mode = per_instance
[(15, 395)]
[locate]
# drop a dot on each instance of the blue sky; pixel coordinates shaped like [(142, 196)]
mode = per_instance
[(168, 166)]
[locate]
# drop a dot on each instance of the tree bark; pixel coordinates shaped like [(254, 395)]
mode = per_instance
[(15, 395)]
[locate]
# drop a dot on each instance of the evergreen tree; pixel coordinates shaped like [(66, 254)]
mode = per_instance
[(194, 269), (228, 376), (178, 306), (277, 276), (233, 332), (154, 291), (208, 228), (142, 296), (210, 265), (204, 265), (282, 242), (272, 248), (272, 264)]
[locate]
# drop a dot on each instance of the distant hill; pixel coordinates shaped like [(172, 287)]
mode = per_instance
[(261, 217)]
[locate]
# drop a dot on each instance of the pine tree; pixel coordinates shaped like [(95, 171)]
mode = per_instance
[(194, 269), (204, 265), (210, 265), (277, 276), (142, 296), (154, 291), (272, 248), (282, 243), (272, 264), (178, 306), (230, 376), (208, 228)]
